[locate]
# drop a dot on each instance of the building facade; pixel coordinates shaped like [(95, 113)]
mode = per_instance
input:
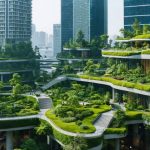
[(15, 21), (66, 21), (56, 39), (139, 9), (89, 16)]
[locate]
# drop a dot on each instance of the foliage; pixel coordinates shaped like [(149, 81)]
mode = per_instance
[(29, 144), (116, 131), (120, 53), (44, 128), (18, 106)]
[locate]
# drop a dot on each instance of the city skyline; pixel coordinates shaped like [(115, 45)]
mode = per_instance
[(51, 9)]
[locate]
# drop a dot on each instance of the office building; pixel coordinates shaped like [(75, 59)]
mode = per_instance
[(139, 9), (15, 21), (56, 39)]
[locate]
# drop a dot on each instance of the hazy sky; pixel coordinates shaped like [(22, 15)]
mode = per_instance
[(47, 12)]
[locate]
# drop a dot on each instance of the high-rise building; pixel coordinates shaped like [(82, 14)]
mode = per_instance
[(139, 9), (90, 16), (15, 21), (66, 21), (56, 39)]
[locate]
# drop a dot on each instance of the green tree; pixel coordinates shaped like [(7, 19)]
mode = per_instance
[(44, 128), (146, 29), (103, 40), (17, 89), (119, 117), (29, 144), (136, 27), (16, 79), (78, 143)]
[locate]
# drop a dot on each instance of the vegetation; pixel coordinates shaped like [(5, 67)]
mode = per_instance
[(20, 51), (11, 106), (120, 53), (116, 131), (77, 107)]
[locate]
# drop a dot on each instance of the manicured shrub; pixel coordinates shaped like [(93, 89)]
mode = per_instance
[(78, 122), (95, 106), (87, 113), (69, 119), (84, 127)]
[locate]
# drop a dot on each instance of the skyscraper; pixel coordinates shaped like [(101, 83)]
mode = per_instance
[(139, 9), (56, 39), (66, 21), (90, 16), (15, 21)]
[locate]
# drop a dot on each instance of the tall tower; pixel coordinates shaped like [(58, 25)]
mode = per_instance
[(90, 16), (66, 21), (139, 9), (15, 21)]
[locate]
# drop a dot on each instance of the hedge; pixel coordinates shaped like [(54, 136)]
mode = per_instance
[(116, 131), (146, 52), (120, 53), (134, 115), (144, 36), (122, 83)]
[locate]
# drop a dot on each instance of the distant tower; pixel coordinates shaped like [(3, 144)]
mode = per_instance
[(15, 21), (139, 9), (56, 39)]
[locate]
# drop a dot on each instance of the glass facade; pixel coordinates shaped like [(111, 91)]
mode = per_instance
[(66, 21), (139, 9), (15, 20), (90, 16)]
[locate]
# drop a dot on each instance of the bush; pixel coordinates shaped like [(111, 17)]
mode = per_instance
[(87, 113), (79, 122), (84, 127), (79, 116), (69, 119), (115, 131), (95, 106)]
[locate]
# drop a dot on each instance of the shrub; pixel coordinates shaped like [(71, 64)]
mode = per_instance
[(79, 122), (115, 131), (95, 106), (84, 127), (87, 113), (120, 53), (79, 116), (69, 119)]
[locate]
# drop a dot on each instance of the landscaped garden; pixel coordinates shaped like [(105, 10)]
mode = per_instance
[(11, 106), (77, 107), (131, 42)]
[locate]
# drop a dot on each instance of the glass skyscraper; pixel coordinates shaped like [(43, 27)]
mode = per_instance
[(89, 16), (15, 20), (139, 9), (66, 21)]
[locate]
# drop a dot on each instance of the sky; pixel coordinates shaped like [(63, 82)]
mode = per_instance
[(47, 12)]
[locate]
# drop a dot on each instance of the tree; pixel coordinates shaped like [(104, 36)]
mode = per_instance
[(1, 85), (103, 40), (78, 143), (17, 89), (29, 144), (146, 29), (16, 79), (120, 117), (44, 128), (136, 27)]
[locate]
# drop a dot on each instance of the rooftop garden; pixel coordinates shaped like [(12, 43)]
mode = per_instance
[(135, 41), (118, 73), (15, 103), (80, 48), (76, 107)]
